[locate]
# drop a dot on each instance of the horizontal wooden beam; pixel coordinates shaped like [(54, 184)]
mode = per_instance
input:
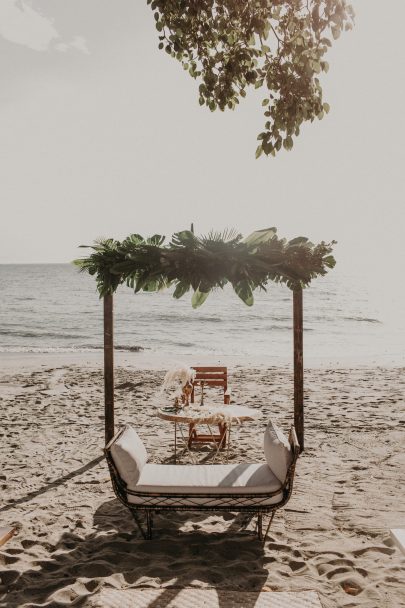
[(210, 383), (210, 376)]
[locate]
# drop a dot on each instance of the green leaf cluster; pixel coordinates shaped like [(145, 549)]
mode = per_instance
[(201, 264), (231, 45)]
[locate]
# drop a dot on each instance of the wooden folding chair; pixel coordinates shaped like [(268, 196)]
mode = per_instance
[(209, 377)]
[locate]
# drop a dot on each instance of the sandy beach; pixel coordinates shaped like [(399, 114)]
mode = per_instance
[(75, 538), (209, 184)]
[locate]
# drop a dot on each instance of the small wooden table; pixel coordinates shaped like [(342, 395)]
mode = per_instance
[(228, 414)]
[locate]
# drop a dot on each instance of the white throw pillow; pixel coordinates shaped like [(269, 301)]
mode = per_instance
[(277, 451), (129, 455)]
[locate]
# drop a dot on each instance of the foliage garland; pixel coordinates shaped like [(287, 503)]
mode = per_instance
[(204, 263), (231, 45)]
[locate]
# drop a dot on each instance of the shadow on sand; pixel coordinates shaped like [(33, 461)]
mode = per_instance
[(53, 484), (181, 555)]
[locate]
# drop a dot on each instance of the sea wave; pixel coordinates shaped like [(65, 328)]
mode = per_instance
[(24, 333), (362, 319), (45, 349), (187, 318), (66, 349), (131, 349)]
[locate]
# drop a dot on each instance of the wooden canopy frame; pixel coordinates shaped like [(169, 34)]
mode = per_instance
[(201, 264), (298, 366)]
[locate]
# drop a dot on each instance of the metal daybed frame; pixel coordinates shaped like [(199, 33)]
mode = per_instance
[(246, 503)]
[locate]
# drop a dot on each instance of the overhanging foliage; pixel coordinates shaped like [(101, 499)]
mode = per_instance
[(230, 45), (201, 264)]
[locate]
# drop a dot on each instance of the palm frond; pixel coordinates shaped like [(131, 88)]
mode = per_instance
[(228, 235)]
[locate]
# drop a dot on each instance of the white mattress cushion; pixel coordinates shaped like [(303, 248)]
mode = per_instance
[(129, 455), (195, 480), (277, 451)]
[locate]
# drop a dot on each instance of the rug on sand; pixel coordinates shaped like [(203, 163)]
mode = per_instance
[(202, 598)]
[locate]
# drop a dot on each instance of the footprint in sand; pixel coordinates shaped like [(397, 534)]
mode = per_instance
[(341, 562), (375, 548), (332, 574), (297, 566), (9, 576), (279, 547), (9, 559)]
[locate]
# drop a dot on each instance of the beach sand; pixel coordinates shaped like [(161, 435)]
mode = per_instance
[(75, 537)]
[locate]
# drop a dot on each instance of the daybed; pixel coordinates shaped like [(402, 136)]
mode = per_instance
[(254, 488)]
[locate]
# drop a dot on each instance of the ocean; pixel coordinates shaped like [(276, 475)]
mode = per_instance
[(49, 308)]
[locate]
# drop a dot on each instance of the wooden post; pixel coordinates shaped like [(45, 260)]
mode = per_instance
[(108, 368), (298, 366)]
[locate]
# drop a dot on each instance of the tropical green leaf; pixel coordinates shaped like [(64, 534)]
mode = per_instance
[(151, 286), (182, 288), (244, 291), (260, 236), (226, 236), (156, 239), (184, 238), (199, 298), (299, 240), (329, 261)]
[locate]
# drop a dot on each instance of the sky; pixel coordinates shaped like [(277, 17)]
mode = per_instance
[(102, 135)]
